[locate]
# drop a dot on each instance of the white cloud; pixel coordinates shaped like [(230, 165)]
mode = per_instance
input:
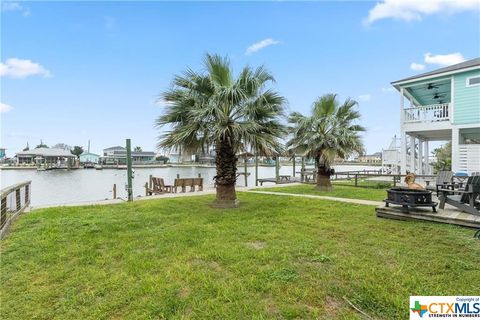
[(444, 59), (417, 66), (414, 10), (261, 45), (4, 108), (15, 6), (21, 68), (388, 89), (365, 97)]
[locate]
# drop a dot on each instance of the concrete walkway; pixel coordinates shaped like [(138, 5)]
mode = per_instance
[(311, 196)]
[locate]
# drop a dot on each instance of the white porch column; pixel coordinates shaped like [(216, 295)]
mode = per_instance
[(403, 136), (412, 154), (420, 156), (455, 149), (426, 156)]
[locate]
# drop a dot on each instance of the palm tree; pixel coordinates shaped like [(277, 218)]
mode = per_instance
[(226, 112), (328, 133)]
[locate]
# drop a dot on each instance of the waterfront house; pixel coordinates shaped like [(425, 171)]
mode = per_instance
[(371, 158), (46, 156), (118, 155), (441, 105), (88, 157)]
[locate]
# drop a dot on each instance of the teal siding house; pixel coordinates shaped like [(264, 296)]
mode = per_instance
[(441, 105), (88, 157)]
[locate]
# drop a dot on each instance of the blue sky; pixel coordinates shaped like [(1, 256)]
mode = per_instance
[(75, 71)]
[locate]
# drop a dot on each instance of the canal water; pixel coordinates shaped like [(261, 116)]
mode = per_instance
[(84, 185)]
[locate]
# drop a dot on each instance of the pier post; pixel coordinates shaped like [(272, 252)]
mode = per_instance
[(277, 169), (302, 175), (150, 181), (256, 169), (245, 170), (294, 165), (129, 171), (114, 191)]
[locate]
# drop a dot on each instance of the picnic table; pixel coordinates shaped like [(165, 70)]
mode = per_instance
[(285, 177)]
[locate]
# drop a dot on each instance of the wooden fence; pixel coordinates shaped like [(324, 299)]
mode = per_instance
[(14, 200), (357, 175)]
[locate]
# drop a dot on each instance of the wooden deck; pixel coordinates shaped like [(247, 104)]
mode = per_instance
[(449, 215), (281, 180)]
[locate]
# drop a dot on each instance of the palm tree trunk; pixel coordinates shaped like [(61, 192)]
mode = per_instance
[(323, 175), (226, 165)]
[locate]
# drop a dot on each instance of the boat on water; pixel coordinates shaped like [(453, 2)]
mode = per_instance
[(98, 167)]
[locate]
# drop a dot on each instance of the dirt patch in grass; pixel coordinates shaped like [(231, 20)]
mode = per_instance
[(212, 265), (333, 306), (184, 292), (257, 245), (271, 307)]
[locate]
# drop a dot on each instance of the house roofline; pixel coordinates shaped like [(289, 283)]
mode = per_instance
[(398, 83)]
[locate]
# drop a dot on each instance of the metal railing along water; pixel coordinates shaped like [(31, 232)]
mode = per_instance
[(14, 200)]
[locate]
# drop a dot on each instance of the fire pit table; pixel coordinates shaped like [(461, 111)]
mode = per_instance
[(410, 198)]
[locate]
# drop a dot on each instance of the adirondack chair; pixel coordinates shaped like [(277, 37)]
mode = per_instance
[(156, 186), (164, 187), (444, 179), (463, 199)]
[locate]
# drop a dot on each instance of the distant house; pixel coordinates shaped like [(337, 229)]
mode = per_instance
[(2, 153), (88, 157), (391, 157), (118, 155), (371, 158), (42, 156)]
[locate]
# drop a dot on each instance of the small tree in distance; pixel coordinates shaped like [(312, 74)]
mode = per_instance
[(41, 145), (77, 150)]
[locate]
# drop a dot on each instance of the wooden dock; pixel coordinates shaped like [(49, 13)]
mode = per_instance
[(449, 215), (281, 180)]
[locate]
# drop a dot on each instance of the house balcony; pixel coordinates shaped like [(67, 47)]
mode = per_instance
[(432, 113)]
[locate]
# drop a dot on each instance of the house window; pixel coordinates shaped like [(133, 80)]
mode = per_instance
[(473, 81)]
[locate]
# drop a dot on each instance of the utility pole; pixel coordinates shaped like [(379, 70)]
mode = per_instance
[(129, 171)]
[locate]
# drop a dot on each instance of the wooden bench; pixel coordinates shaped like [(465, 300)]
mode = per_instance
[(183, 183)]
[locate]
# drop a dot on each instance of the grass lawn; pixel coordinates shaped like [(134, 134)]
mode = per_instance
[(274, 257), (340, 189)]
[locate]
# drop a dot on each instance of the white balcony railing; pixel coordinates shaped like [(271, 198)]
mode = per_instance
[(430, 113)]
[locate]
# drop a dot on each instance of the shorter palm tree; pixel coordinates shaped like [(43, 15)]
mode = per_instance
[(328, 133)]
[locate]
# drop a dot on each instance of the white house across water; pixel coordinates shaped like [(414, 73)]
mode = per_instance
[(441, 105)]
